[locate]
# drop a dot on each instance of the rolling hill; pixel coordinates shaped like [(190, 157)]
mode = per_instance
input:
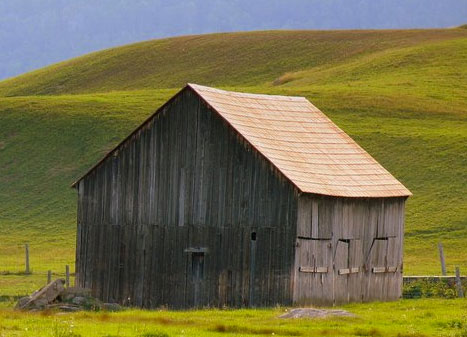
[(402, 94)]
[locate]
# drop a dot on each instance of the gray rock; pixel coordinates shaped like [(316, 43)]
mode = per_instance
[(69, 308), (22, 302), (68, 297), (39, 303), (111, 307), (315, 313), (78, 300)]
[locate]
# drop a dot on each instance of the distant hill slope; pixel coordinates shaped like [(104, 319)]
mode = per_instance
[(230, 59), (34, 33), (400, 94)]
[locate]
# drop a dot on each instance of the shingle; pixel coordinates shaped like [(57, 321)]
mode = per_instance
[(303, 144)]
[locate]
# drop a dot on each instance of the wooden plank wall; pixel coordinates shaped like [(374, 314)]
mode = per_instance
[(186, 180), (364, 240)]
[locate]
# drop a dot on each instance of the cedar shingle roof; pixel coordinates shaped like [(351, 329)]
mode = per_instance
[(303, 144)]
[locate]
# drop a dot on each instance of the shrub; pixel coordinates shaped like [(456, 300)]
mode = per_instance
[(427, 288)]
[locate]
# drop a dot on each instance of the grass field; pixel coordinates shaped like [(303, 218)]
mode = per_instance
[(408, 318), (401, 94)]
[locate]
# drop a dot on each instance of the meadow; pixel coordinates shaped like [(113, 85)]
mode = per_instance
[(401, 94), (407, 318)]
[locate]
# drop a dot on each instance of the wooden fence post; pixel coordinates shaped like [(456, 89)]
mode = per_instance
[(26, 248), (49, 276), (441, 257), (67, 276), (460, 292)]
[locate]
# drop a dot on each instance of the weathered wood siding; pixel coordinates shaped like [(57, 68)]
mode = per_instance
[(348, 250), (169, 218)]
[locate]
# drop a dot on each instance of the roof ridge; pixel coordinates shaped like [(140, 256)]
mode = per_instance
[(246, 94)]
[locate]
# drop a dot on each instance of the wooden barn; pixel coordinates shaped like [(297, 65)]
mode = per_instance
[(231, 199)]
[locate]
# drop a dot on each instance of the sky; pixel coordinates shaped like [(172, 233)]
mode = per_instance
[(36, 33)]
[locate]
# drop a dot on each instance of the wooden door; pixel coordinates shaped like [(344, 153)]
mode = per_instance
[(355, 277), (376, 265), (348, 262), (341, 271), (314, 271)]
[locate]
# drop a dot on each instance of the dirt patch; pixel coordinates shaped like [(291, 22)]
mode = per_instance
[(316, 313)]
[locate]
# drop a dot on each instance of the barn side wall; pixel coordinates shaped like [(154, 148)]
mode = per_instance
[(186, 214), (348, 250)]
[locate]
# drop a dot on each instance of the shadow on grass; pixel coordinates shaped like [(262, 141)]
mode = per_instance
[(254, 331)]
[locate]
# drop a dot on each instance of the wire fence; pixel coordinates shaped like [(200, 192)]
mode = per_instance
[(25, 268), (12, 258), (34, 258)]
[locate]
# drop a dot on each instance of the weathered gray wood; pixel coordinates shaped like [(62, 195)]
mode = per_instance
[(306, 269), (314, 218), (341, 261), (252, 270), (304, 218), (379, 269), (67, 276), (460, 292), (365, 224), (26, 251), (49, 276), (355, 277), (441, 258)]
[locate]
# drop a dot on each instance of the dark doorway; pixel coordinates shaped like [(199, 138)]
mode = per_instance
[(197, 270), (197, 266)]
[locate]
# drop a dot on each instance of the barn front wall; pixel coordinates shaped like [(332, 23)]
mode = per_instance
[(186, 213), (348, 249)]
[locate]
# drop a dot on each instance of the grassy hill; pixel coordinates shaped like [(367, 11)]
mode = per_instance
[(238, 59), (401, 94)]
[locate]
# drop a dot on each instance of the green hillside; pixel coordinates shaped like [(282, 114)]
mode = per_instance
[(401, 94), (232, 59)]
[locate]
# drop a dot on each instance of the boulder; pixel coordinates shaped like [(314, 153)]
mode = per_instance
[(69, 308), (22, 302), (69, 295), (315, 313), (111, 307), (78, 300)]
